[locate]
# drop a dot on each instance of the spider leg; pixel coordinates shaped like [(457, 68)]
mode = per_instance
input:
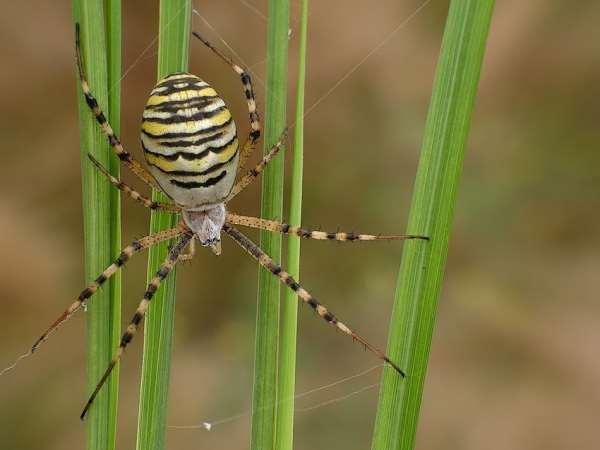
[(253, 173), (113, 140), (266, 261), (271, 225), (132, 328), (254, 134), (132, 193), (125, 255)]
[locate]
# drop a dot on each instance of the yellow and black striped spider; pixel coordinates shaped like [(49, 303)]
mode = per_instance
[(191, 146)]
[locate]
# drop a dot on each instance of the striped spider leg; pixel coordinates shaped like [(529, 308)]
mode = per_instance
[(254, 135), (123, 155), (280, 227), (264, 260)]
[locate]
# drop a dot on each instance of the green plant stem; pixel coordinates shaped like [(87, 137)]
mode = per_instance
[(422, 266), (267, 319), (289, 307), (101, 214), (173, 49), (113, 40)]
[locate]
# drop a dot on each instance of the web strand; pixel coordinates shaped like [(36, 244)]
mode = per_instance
[(254, 9), (374, 50), (210, 424)]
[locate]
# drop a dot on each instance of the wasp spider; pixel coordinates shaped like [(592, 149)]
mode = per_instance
[(191, 146)]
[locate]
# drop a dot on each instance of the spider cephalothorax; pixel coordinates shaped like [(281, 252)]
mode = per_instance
[(191, 145), (206, 223)]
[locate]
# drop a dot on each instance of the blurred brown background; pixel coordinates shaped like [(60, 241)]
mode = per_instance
[(514, 360)]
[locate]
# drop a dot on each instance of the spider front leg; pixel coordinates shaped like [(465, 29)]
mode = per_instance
[(113, 140), (164, 270), (265, 260), (341, 236), (254, 134)]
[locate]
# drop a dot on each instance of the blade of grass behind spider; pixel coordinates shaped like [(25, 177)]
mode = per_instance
[(264, 399), (289, 307), (422, 266), (101, 215), (113, 41), (173, 47)]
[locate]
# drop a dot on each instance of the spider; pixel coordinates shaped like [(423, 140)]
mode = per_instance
[(190, 143)]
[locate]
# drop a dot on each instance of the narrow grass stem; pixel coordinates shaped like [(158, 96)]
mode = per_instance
[(173, 49), (289, 307), (113, 41), (101, 210), (422, 266), (267, 320)]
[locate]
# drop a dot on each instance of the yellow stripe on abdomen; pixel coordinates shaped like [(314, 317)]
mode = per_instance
[(158, 129)]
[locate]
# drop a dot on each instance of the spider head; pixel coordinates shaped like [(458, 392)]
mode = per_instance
[(206, 222)]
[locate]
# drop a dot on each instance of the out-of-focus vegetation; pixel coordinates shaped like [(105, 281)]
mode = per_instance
[(514, 353)]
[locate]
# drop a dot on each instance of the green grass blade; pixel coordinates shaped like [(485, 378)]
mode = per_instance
[(422, 266), (113, 41), (264, 399), (289, 307), (173, 49), (101, 218)]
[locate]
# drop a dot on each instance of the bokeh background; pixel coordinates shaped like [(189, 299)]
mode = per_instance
[(514, 360)]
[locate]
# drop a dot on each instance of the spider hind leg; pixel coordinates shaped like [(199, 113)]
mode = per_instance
[(265, 260)]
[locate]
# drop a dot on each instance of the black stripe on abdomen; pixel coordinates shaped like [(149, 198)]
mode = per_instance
[(197, 184)]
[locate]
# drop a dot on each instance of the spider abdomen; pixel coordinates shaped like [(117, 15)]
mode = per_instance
[(190, 141)]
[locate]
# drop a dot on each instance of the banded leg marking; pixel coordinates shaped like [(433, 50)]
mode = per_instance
[(266, 261), (132, 328), (271, 225), (123, 155), (132, 193), (253, 173)]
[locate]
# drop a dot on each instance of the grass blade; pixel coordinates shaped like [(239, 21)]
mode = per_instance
[(173, 49), (264, 399), (113, 41), (101, 214), (434, 196), (289, 307)]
